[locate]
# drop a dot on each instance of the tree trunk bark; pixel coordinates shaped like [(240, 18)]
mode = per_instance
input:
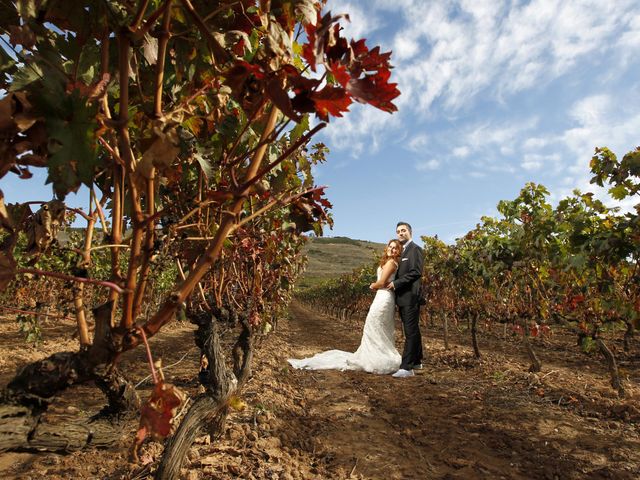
[(211, 405), (616, 383), (27, 396), (175, 451), (535, 362), (120, 392), (474, 335), (628, 337), (445, 324), (21, 429)]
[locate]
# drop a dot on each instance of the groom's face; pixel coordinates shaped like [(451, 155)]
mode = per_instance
[(403, 233)]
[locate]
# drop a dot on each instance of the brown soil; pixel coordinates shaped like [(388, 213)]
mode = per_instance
[(459, 418)]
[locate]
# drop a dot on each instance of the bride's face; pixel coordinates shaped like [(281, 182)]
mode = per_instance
[(392, 249)]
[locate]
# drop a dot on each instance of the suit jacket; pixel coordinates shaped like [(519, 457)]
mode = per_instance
[(407, 282)]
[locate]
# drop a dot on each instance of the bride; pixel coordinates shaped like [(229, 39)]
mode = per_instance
[(377, 352)]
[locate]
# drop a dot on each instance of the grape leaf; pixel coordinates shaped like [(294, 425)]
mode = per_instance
[(331, 101), (73, 158)]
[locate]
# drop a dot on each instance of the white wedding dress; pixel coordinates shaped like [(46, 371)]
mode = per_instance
[(377, 352)]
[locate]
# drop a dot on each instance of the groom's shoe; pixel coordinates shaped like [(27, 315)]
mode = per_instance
[(403, 373), (418, 366)]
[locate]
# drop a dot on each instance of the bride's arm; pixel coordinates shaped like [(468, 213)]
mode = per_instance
[(387, 271)]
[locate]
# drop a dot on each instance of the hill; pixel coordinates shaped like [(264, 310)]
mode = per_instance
[(330, 257)]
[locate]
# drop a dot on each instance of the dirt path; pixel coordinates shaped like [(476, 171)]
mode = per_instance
[(458, 419)]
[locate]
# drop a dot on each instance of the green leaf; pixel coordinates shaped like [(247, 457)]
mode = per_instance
[(26, 75), (204, 163), (6, 60), (228, 126), (618, 192), (631, 161), (88, 62), (73, 158), (299, 129)]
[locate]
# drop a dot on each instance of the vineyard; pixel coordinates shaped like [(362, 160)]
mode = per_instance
[(190, 125), (148, 332), (533, 271)]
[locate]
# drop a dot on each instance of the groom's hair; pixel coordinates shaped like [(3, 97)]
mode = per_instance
[(406, 225)]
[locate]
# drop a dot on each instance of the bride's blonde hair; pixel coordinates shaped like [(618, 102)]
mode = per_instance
[(385, 256)]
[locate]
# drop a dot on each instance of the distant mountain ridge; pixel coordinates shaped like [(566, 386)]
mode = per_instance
[(330, 257)]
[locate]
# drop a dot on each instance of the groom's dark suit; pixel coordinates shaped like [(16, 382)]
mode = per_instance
[(407, 289)]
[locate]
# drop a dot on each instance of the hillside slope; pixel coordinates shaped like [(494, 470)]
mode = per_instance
[(330, 257)]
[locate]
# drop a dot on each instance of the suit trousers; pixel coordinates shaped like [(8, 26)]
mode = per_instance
[(412, 354)]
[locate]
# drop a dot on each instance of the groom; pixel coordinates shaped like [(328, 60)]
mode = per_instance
[(407, 289)]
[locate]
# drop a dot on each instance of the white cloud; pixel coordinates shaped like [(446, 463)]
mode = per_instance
[(428, 165), (535, 161), (418, 142), (591, 110), (500, 48), (461, 152), (535, 143), (361, 129), (404, 48), (598, 120), (501, 135), (363, 22)]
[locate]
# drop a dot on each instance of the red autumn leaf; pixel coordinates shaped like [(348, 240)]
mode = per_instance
[(157, 413), (337, 47), (310, 49), (365, 60), (575, 301), (238, 48), (321, 37), (318, 197), (159, 410), (236, 76), (534, 330), (375, 90), (340, 73), (331, 101)]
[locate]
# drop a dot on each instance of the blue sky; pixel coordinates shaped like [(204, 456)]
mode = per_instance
[(494, 94)]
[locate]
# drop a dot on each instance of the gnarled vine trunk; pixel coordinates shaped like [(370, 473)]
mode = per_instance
[(445, 326), (628, 337), (474, 335), (211, 408), (535, 366), (28, 395), (610, 358)]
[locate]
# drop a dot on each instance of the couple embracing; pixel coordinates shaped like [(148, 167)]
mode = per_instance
[(397, 283)]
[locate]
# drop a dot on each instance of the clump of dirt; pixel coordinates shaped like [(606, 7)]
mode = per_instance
[(458, 418)]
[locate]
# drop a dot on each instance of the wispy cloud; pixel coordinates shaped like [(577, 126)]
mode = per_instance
[(461, 152), (498, 48), (428, 165), (362, 129), (363, 21), (600, 120), (418, 142), (536, 161)]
